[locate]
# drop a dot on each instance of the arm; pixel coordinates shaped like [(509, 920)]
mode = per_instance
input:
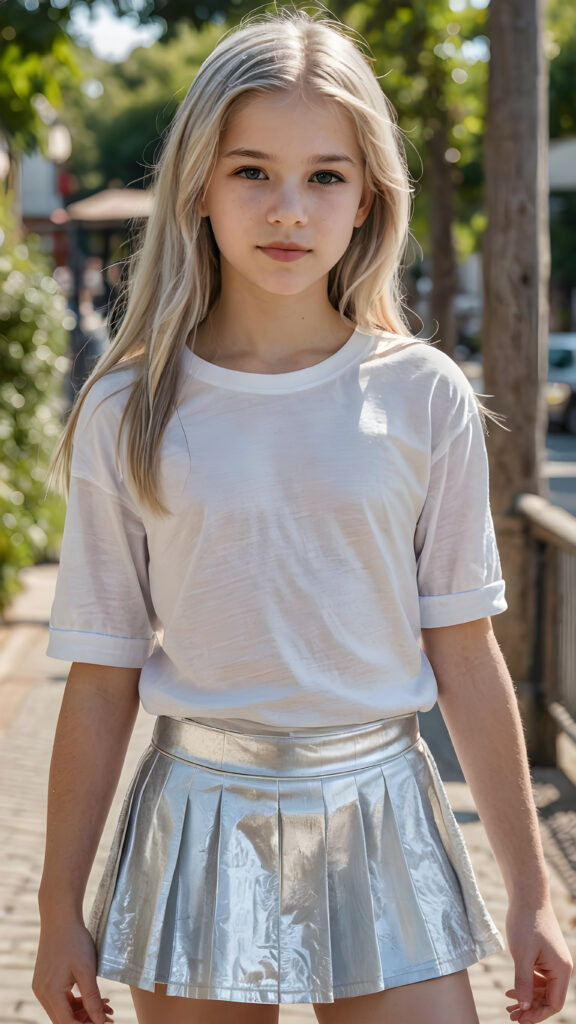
[(95, 724), (478, 702)]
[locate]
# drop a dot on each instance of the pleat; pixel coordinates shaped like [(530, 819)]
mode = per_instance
[(481, 926), (244, 953), (146, 870), (442, 909), (355, 955), (105, 892), (305, 960), (187, 932), (401, 934)]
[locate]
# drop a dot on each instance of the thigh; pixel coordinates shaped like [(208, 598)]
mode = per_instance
[(437, 1001), (158, 1008)]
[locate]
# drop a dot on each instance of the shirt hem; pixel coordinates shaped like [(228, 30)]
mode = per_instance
[(453, 609), (98, 649)]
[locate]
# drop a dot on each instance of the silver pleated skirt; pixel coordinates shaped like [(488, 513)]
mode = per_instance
[(287, 868)]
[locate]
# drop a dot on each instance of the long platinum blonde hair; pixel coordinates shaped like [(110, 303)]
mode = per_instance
[(174, 278)]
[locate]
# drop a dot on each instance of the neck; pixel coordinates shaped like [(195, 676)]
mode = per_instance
[(253, 331)]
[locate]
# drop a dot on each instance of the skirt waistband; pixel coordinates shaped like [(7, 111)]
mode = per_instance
[(285, 756)]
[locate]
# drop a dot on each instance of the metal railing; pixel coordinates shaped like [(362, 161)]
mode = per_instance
[(554, 531)]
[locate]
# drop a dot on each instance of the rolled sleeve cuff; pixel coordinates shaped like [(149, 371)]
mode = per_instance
[(98, 648), (452, 609)]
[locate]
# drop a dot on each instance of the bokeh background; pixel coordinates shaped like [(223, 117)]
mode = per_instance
[(485, 92)]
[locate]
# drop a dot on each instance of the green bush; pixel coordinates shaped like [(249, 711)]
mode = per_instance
[(33, 367)]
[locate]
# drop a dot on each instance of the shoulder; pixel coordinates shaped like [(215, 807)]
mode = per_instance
[(420, 368), (106, 400), (97, 429), (417, 358), (424, 380)]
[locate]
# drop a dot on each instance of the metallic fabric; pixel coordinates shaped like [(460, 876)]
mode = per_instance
[(287, 868)]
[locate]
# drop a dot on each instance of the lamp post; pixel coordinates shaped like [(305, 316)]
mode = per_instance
[(59, 143), (59, 150)]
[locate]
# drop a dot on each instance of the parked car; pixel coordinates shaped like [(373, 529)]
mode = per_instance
[(561, 386)]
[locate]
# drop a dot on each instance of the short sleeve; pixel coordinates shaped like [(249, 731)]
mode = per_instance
[(102, 611), (458, 566)]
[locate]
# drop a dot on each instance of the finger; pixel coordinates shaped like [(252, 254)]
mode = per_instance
[(524, 986), (538, 994), (91, 999), (540, 983), (78, 1011), (556, 991), (549, 998), (75, 1001), (537, 1016), (81, 1014), (58, 1008)]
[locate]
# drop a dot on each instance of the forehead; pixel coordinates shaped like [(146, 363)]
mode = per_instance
[(291, 117)]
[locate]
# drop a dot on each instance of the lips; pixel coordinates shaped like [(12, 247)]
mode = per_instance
[(292, 246), (284, 252)]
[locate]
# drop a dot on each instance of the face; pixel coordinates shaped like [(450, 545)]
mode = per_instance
[(287, 191)]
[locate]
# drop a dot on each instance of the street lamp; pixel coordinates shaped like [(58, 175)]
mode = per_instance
[(59, 143)]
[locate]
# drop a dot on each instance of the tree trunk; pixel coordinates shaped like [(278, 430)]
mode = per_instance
[(443, 259), (515, 327)]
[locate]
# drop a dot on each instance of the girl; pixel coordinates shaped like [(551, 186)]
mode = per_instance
[(275, 492)]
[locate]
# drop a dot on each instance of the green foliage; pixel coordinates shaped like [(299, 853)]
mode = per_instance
[(36, 59), (117, 133), (118, 120), (562, 91), (33, 364), (433, 66), (432, 61)]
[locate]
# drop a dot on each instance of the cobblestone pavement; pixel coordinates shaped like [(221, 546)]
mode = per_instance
[(31, 687)]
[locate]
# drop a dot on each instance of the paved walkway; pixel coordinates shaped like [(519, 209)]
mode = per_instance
[(31, 688)]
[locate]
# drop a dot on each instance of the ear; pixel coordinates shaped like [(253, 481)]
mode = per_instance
[(365, 205)]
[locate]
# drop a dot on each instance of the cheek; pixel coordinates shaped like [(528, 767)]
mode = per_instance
[(337, 222), (232, 211), (339, 211)]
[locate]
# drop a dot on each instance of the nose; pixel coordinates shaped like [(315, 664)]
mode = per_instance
[(287, 205)]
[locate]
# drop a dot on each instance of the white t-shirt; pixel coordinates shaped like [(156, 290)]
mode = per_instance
[(320, 517)]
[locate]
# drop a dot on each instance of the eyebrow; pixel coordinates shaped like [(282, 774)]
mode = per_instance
[(318, 158)]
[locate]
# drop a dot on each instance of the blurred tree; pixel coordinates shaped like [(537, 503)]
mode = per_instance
[(562, 91), (561, 49), (36, 59), (433, 68), (515, 328), (119, 115), (33, 342), (433, 64)]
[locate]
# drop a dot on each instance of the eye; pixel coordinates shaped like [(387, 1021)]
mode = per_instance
[(250, 173), (327, 177)]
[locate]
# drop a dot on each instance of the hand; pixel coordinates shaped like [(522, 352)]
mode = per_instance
[(80, 1014), (67, 957), (542, 961)]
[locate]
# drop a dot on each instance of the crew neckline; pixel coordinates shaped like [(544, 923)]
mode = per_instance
[(293, 380)]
